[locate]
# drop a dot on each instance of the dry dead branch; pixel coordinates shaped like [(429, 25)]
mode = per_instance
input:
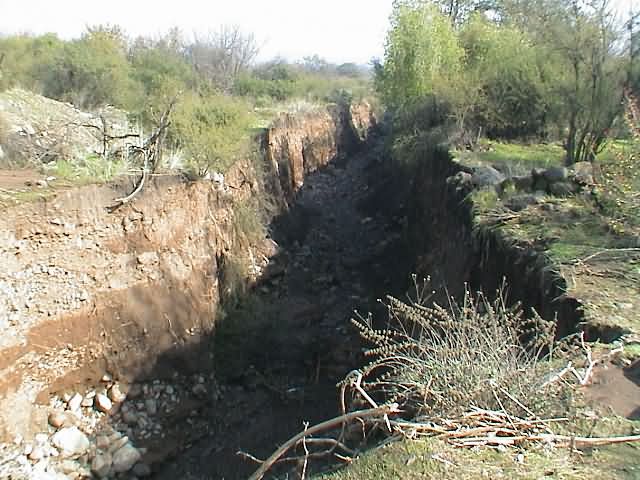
[(321, 427), (151, 153)]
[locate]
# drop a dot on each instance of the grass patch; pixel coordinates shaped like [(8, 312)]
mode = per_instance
[(93, 169), (517, 157), (434, 459)]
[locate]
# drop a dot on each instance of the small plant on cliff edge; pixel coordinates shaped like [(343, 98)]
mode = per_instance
[(440, 362)]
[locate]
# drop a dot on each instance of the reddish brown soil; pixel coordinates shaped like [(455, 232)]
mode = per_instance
[(617, 389), (18, 179)]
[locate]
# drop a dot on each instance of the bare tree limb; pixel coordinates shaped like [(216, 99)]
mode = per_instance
[(321, 427)]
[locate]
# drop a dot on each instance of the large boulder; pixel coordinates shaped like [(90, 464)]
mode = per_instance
[(70, 441), (125, 458), (520, 202), (523, 183), (555, 174), (582, 173), (563, 189), (486, 176)]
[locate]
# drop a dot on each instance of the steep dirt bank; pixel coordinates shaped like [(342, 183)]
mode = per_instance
[(453, 252), (342, 248), (134, 292)]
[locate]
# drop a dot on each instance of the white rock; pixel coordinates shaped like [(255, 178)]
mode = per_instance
[(148, 258), (37, 453), (75, 402), (106, 378), (116, 395), (102, 403), (70, 441), (125, 458), (101, 464), (57, 419)]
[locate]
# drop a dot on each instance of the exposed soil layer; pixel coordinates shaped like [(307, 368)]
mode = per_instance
[(342, 246), (617, 388)]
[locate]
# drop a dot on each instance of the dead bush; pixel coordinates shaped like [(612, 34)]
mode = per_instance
[(438, 362)]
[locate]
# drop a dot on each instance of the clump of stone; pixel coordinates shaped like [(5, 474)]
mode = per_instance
[(93, 434)]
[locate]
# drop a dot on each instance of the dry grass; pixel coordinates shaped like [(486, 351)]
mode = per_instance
[(440, 362)]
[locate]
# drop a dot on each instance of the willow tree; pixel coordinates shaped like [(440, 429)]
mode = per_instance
[(422, 56)]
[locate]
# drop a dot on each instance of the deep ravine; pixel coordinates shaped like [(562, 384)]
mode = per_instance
[(341, 248)]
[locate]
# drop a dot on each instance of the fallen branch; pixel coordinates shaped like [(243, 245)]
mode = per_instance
[(609, 250), (118, 202), (321, 427)]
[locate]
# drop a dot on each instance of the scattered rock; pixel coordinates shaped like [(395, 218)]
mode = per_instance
[(486, 177), (523, 183), (101, 464), (118, 444), (125, 458), (70, 441), (75, 402), (148, 258), (102, 442), (461, 180), (116, 395), (555, 174), (151, 406), (87, 401), (37, 453), (540, 184), (135, 391), (582, 173), (562, 189), (130, 417), (102, 403), (520, 202), (57, 419), (141, 470), (199, 390)]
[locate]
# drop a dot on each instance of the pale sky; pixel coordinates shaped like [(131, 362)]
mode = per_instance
[(338, 30)]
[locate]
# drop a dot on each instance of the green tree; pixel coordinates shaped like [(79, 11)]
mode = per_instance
[(161, 71), (93, 71), (212, 129), (423, 56), (580, 39), (504, 93), (26, 60)]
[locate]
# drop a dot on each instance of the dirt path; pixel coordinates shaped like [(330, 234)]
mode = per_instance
[(341, 248)]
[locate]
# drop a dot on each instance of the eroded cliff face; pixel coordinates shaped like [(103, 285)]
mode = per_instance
[(448, 248), (298, 144), (84, 290)]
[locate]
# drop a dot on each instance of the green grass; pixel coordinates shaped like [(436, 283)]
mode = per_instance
[(520, 157), (434, 459), (93, 169)]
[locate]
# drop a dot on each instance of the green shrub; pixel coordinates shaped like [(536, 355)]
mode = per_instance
[(92, 71), (212, 129)]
